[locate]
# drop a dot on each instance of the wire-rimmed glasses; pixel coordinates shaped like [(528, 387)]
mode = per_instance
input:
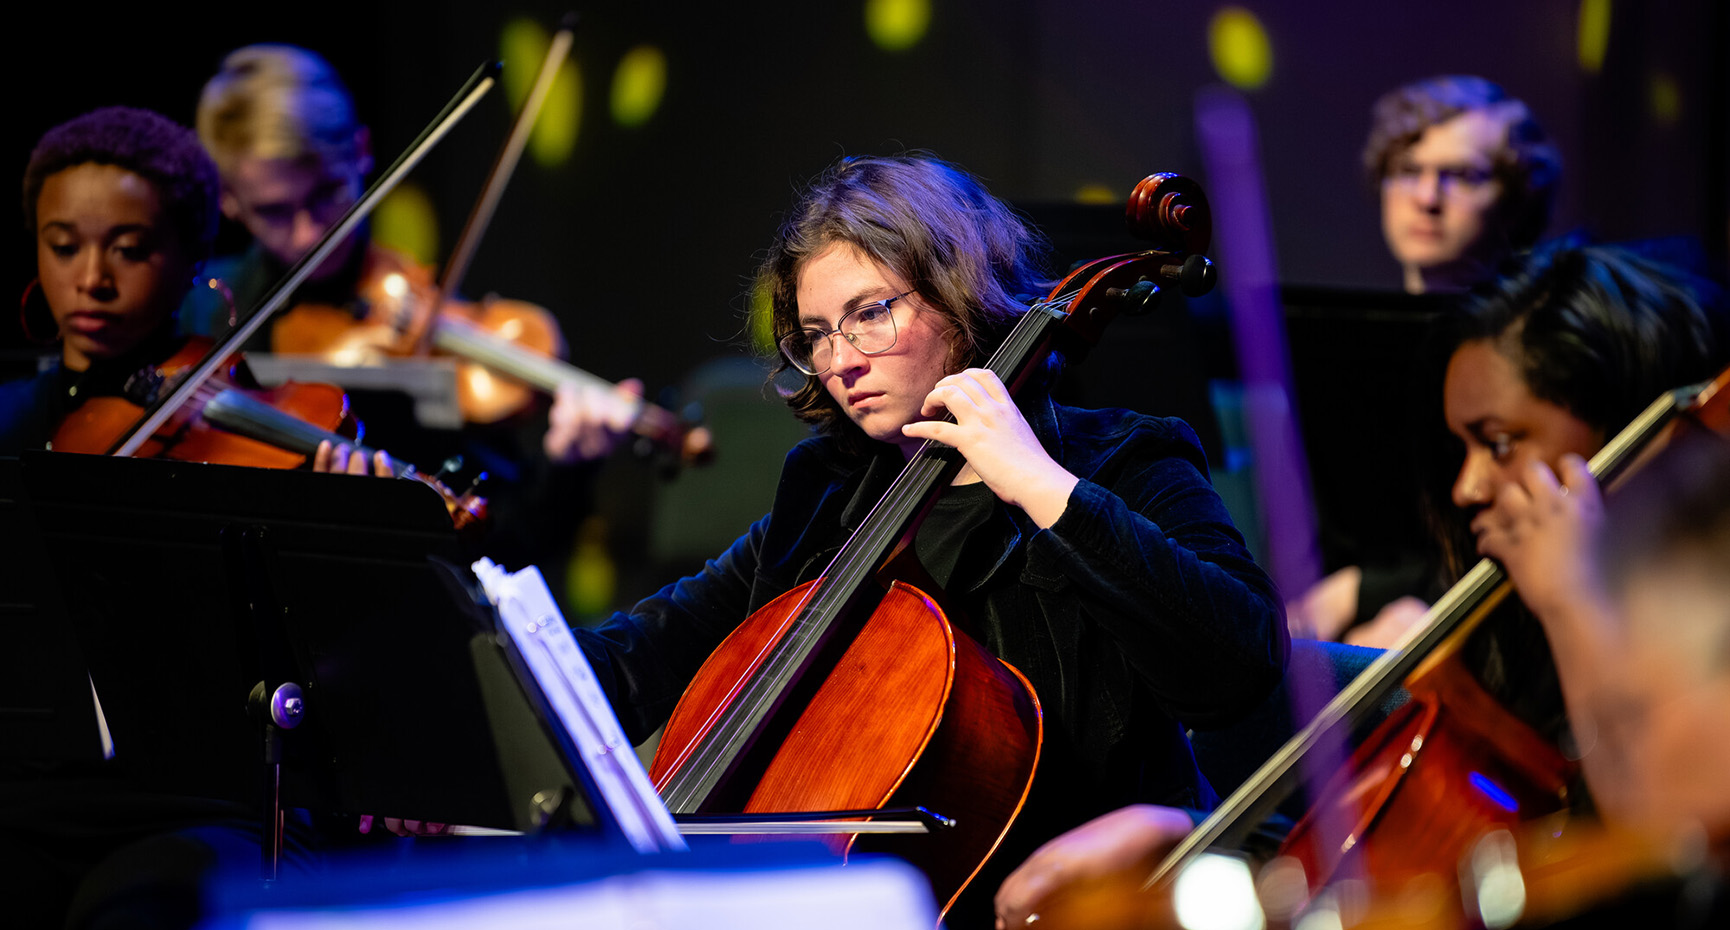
[(869, 327)]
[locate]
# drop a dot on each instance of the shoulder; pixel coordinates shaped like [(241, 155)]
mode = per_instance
[(25, 411), (1114, 434)]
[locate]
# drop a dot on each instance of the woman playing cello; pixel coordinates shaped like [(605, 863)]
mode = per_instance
[(1085, 547)]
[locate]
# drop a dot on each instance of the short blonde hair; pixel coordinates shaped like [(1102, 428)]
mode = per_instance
[(277, 102)]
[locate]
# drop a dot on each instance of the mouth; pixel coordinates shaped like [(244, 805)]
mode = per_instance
[(856, 399), (85, 322)]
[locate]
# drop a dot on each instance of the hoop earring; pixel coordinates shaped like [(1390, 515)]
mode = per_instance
[(33, 295), (217, 285)]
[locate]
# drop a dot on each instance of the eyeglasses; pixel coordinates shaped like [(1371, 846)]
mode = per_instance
[(1449, 178), (870, 328)]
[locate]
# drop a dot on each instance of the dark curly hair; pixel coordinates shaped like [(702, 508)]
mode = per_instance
[(145, 143), (965, 253), (1596, 330), (1528, 165)]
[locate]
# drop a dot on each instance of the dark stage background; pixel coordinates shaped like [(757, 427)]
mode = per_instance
[(642, 241)]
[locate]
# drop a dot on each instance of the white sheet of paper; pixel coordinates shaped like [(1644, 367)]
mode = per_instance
[(544, 640)]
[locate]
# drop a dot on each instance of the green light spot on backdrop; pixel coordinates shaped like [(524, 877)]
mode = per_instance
[(1594, 37), (1239, 47), (897, 25), (522, 44), (405, 221), (638, 84), (1665, 97), (760, 321)]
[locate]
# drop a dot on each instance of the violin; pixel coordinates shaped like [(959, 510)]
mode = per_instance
[(841, 696), (391, 292), (508, 350), (408, 314), (230, 425)]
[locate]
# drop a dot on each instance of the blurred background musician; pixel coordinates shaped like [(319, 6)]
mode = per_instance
[(1466, 178), (293, 156)]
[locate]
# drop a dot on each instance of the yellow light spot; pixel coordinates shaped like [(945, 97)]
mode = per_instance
[(897, 25), (760, 321), (1096, 193), (638, 84), (1239, 47), (522, 45), (1594, 37), (591, 577), (406, 221), (1666, 99)]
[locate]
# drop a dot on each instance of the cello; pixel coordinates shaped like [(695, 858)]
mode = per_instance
[(839, 695), (1452, 766)]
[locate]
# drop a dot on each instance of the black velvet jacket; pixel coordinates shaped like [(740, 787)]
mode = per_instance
[(1137, 614)]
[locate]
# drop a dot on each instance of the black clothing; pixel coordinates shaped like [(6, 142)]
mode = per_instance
[(1139, 612)]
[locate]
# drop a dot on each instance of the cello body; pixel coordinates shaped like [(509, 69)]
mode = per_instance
[(912, 713)]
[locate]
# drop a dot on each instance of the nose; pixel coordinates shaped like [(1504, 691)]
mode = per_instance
[(306, 232), (95, 277), (1476, 484), (844, 356), (1427, 190)]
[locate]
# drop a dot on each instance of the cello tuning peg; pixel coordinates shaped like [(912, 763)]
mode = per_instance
[(451, 466), (1195, 277), (1138, 298)]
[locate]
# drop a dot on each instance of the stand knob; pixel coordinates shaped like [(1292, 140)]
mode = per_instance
[(287, 705)]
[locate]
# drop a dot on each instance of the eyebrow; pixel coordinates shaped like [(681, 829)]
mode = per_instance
[(110, 232), (858, 300)]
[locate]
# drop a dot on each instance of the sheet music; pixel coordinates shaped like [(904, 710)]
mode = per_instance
[(535, 625)]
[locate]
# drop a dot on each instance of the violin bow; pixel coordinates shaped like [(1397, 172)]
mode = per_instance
[(420, 330), (158, 413)]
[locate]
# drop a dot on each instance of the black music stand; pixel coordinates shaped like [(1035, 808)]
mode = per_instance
[(197, 590)]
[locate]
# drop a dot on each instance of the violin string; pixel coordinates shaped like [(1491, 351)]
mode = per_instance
[(811, 619)]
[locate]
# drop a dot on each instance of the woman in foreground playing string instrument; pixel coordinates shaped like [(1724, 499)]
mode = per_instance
[(1084, 547), (1539, 372)]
